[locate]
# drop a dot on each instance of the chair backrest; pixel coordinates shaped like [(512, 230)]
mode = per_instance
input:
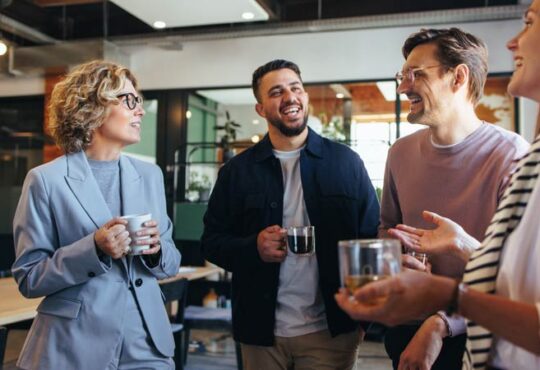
[(3, 343), (176, 291)]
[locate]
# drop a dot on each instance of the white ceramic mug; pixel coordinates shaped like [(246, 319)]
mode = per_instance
[(136, 223)]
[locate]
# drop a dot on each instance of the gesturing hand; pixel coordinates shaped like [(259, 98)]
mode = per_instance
[(447, 238), (113, 238), (271, 244)]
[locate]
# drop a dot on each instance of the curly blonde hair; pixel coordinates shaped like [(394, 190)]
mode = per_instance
[(80, 102)]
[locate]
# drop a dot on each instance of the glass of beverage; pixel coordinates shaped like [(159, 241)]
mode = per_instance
[(363, 261), (422, 257), (301, 240)]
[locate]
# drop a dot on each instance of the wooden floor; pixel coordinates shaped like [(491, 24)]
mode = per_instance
[(214, 351)]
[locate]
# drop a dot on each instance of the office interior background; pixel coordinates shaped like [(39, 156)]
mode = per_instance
[(194, 70)]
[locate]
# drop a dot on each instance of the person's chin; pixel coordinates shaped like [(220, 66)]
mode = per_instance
[(415, 117), (515, 87), (132, 141)]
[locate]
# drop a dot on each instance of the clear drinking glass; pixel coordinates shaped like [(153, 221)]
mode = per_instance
[(422, 257), (363, 261), (301, 240)]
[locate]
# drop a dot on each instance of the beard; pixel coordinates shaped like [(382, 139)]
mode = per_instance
[(415, 117), (289, 131)]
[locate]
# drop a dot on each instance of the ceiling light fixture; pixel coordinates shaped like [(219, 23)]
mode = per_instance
[(255, 121), (248, 15), (342, 90), (159, 25), (3, 47)]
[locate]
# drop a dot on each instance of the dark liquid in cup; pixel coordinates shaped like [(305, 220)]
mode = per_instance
[(300, 244)]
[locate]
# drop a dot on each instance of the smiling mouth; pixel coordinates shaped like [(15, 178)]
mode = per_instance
[(136, 124), (414, 99), (518, 62), (291, 111)]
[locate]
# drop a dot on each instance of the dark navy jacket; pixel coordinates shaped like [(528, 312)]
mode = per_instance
[(248, 197)]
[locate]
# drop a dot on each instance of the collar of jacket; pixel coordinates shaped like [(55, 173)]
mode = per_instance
[(314, 146), (79, 169)]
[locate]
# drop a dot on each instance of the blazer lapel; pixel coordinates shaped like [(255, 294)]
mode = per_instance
[(86, 190)]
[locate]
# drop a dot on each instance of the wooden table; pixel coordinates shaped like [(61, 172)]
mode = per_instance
[(194, 273), (14, 307)]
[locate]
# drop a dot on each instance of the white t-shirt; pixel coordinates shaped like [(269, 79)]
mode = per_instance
[(300, 309), (519, 280)]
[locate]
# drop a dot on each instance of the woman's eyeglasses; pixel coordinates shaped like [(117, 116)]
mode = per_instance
[(131, 100)]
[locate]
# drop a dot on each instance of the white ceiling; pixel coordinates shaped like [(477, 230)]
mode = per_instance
[(230, 96), (185, 13)]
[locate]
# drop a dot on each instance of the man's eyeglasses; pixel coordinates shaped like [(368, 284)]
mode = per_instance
[(411, 74), (131, 100)]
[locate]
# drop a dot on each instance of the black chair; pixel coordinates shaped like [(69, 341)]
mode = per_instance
[(3, 343), (177, 291), (206, 318)]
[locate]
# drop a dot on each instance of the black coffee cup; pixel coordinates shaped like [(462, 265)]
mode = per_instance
[(301, 240)]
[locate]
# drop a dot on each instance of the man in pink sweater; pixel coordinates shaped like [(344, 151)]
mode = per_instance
[(457, 167)]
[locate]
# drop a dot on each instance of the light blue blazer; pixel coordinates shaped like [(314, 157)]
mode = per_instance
[(78, 325)]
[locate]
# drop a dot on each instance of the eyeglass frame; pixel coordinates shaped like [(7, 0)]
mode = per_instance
[(134, 98), (411, 73)]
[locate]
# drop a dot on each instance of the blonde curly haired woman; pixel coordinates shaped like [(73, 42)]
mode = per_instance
[(102, 308)]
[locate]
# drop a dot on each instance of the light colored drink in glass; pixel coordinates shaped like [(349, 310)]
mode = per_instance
[(364, 261)]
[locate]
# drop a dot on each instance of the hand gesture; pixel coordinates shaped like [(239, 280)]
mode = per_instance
[(113, 238), (448, 238), (271, 244)]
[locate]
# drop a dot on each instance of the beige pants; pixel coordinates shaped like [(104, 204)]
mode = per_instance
[(315, 351)]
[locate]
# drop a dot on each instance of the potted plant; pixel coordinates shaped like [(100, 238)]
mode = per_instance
[(198, 188), (230, 128)]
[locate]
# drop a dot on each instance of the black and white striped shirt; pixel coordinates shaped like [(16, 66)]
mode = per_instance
[(482, 269)]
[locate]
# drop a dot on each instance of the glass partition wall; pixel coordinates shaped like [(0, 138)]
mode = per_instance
[(190, 133), (367, 116)]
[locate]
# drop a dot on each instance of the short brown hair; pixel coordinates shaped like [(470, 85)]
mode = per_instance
[(79, 103), (455, 47), (267, 68)]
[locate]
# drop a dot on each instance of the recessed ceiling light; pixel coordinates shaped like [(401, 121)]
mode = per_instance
[(255, 139), (255, 121), (188, 114), (159, 25), (248, 15), (340, 96), (3, 48)]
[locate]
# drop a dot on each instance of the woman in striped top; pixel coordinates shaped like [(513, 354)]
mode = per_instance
[(500, 290)]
